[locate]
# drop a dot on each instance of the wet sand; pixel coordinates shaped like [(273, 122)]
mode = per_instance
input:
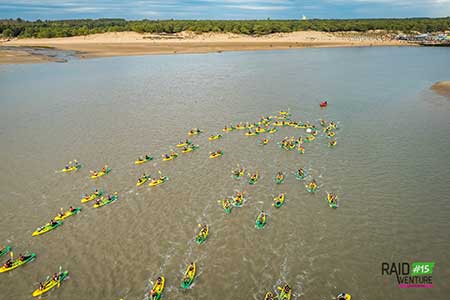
[(442, 88), (131, 43)]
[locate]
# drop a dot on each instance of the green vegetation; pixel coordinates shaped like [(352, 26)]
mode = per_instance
[(48, 29)]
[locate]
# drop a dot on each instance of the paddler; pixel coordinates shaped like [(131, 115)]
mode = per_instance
[(8, 263), (52, 222), (300, 172), (41, 286), (55, 277), (147, 156), (21, 257), (280, 175), (98, 202), (71, 209), (104, 168), (204, 229), (286, 289)]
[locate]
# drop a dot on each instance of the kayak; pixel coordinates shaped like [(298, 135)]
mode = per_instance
[(215, 137), (138, 161), (216, 154), (5, 250), (278, 123), (158, 289), (300, 177), (260, 130), (273, 130), (190, 149), (226, 205), (186, 283), (17, 263), (70, 169), (343, 296), (185, 144), (238, 201), (227, 129), (270, 296), (332, 143), (172, 156), (253, 180), (101, 173), (323, 104), (202, 236), (194, 131), (284, 113), (311, 188), (261, 220), (283, 295), (92, 197), (264, 142), (161, 180), (239, 175), (46, 228), (310, 138), (279, 200), (240, 127), (251, 133), (141, 181), (279, 180), (331, 203), (105, 201), (67, 214), (49, 284), (301, 149), (331, 134)]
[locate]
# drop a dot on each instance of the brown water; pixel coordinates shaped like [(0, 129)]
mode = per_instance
[(390, 170)]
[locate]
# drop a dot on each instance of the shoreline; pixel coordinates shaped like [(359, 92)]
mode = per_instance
[(442, 88), (131, 44)]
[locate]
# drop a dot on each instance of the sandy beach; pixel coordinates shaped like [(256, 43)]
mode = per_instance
[(442, 88), (132, 43)]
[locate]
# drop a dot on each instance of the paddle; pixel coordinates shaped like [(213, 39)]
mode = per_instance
[(59, 276)]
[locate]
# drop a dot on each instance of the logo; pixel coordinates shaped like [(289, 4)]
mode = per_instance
[(415, 275)]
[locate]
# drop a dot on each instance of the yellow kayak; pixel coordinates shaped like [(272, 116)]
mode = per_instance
[(189, 276), (260, 130), (273, 130), (227, 129), (141, 181), (161, 180), (156, 291), (215, 137), (67, 214), (185, 144), (51, 283), (91, 197), (194, 131), (171, 157), (46, 228), (241, 127), (70, 169), (101, 173), (251, 133), (215, 154), (17, 263), (139, 161)]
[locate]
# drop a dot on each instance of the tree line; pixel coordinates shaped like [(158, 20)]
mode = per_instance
[(66, 28)]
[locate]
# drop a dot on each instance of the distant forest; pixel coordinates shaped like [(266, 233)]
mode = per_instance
[(65, 28)]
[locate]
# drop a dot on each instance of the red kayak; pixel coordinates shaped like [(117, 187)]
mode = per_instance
[(323, 104)]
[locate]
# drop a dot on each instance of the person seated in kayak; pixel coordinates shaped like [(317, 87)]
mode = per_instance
[(204, 229), (60, 214), (76, 164), (341, 296), (96, 192), (300, 172), (286, 288), (67, 167), (104, 169), (172, 153), (280, 175), (53, 222), (8, 263), (71, 209), (41, 286), (94, 173), (147, 156), (98, 202), (21, 257), (55, 277)]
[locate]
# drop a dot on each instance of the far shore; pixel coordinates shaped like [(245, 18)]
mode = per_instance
[(132, 43)]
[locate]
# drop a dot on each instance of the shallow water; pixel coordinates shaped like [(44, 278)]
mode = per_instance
[(390, 171)]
